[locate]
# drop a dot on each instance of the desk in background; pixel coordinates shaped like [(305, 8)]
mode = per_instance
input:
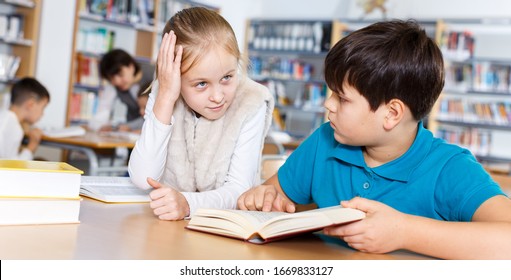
[(91, 145), (131, 231)]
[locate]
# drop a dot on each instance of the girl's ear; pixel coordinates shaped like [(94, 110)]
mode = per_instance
[(395, 113)]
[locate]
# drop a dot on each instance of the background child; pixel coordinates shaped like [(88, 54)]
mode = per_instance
[(205, 123), (419, 193), (126, 78), (135, 125), (28, 100)]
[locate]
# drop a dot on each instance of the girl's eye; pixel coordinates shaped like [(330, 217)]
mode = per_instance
[(201, 85), (227, 77)]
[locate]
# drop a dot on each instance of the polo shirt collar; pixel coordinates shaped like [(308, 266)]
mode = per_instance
[(399, 169)]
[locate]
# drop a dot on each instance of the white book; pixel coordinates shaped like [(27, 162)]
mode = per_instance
[(34, 211), (41, 179), (112, 189), (64, 131)]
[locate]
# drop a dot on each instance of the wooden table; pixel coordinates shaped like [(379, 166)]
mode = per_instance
[(91, 144), (131, 231)]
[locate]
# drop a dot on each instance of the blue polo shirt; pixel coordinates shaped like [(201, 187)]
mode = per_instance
[(432, 179)]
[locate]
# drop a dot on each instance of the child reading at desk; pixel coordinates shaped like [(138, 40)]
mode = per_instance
[(205, 122), (28, 100), (419, 192)]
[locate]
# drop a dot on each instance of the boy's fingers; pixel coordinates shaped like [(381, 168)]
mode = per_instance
[(269, 198)]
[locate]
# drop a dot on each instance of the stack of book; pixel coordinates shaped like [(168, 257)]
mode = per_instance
[(38, 192)]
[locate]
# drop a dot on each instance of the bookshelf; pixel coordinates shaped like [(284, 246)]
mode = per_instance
[(19, 31), (474, 109), (101, 25), (288, 56)]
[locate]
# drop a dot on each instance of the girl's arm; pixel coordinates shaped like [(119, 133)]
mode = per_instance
[(242, 172), (147, 160)]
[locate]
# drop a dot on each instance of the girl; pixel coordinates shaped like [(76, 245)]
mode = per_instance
[(204, 124)]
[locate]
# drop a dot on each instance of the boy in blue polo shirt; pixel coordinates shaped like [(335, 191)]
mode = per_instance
[(419, 192)]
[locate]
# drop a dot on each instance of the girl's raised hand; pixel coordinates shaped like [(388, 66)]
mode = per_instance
[(169, 77)]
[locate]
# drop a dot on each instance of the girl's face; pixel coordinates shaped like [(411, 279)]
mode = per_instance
[(209, 87), (125, 78)]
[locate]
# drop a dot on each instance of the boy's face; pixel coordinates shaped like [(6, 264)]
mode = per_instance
[(209, 87), (125, 78), (36, 110), (351, 118)]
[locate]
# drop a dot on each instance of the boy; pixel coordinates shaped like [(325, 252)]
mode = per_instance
[(135, 125), (125, 77), (376, 156), (28, 100)]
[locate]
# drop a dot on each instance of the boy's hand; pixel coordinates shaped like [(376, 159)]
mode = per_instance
[(381, 231), (167, 203), (34, 138), (124, 128), (265, 198)]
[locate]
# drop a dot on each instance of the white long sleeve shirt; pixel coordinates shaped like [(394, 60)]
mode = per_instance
[(11, 135), (149, 155)]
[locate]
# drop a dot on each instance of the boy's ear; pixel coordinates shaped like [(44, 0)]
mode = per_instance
[(29, 104), (395, 113)]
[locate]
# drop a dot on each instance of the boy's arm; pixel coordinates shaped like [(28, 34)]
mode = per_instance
[(385, 229), (267, 197)]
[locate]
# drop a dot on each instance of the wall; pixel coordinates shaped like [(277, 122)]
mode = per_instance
[(53, 64), (54, 57)]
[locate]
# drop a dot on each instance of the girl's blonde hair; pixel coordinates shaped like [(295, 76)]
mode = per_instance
[(198, 29)]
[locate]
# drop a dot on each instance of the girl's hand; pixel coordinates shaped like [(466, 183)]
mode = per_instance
[(167, 203), (381, 231), (169, 77)]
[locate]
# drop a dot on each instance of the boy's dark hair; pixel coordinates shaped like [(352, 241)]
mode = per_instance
[(111, 63), (26, 89), (387, 60), (144, 89)]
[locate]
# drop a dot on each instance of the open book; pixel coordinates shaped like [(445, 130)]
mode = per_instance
[(262, 227), (64, 131), (112, 189)]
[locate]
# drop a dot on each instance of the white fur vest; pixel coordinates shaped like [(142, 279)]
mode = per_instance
[(200, 151)]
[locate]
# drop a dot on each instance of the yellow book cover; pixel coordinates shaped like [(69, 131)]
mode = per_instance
[(20, 178), (40, 166)]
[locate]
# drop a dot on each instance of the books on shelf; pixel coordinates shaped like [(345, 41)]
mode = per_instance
[(262, 227), (9, 65), (25, 211), (39, 179), (112, 189), (64, 131), (11, 27)]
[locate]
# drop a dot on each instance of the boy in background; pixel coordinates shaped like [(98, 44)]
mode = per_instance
[(419, 192), (135, 125), (28, 100), (126, 78)]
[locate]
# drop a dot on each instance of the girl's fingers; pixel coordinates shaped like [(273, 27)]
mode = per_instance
[(171, 46), (179, 55)]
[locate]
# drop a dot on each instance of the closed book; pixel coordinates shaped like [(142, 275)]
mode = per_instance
[(21, 178), (35, 211)]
